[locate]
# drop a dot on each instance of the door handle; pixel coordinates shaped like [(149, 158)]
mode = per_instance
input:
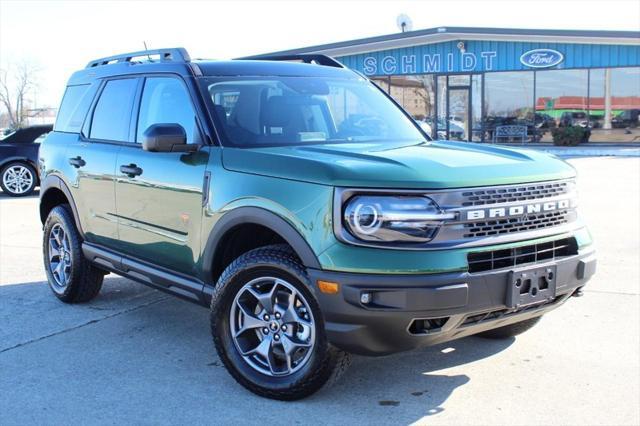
[(77, 162), (131, 170)]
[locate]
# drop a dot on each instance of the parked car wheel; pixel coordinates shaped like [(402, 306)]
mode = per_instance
[(71, 277), (268, 329), (510, 330), (18, 179)]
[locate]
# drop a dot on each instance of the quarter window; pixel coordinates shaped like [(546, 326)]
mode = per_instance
[(112, 114), (166, 100)]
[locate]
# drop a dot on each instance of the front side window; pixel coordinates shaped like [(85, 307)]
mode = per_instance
[(112, 115), (299, 110), (165, 100)]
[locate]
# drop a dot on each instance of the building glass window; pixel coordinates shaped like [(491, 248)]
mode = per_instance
[(561, 100), (476, 108), (614, 104), (508, 98), (416, 94), (441, 122)]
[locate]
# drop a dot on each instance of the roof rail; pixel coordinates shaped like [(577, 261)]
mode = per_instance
[(177, 54), (306, 58)]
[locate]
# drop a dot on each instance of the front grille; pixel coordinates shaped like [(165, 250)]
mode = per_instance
[(514, 194), (507, 226), (509, 258)]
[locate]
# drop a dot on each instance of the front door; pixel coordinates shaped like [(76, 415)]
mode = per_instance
[(159, 205)]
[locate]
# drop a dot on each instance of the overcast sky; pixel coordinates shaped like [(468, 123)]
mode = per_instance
[(62, 36)]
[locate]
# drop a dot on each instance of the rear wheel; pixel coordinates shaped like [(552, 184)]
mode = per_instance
[(510, 330), (18, 179), (71, 277), (268, 329)]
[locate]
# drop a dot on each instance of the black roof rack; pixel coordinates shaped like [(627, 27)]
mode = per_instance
[(306, 58), (177, 54)]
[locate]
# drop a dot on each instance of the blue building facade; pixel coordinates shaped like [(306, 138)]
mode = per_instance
[(468, 83), (487, 56)]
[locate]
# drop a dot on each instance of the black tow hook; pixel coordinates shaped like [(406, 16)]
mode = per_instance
[(578, 292)]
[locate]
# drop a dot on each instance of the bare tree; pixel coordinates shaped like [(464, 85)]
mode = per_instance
[(18, 83)]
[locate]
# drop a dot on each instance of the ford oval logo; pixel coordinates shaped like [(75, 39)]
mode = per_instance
[(541, 58)]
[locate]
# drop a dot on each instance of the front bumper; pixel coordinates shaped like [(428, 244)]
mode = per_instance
[(463, 304)]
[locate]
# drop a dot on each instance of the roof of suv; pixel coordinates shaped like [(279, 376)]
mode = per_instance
[(240, 67), (177, 60)]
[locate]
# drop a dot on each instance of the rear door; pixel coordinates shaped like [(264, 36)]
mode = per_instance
[(160, 209), (91, 159)]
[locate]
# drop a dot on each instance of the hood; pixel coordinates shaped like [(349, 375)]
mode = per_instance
[(426, 165)]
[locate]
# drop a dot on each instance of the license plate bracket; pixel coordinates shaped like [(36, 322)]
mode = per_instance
[(530, 286)]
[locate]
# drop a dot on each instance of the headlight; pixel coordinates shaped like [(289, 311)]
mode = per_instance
[(393, 219)]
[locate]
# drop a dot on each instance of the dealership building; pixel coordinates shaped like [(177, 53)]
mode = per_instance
[(501, 85)]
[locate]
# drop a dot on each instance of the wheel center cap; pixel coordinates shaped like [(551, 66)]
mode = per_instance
[(66, 256), (274, 325)]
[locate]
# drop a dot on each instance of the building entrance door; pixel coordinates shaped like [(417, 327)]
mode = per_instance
[(459, 114), (459, 107)]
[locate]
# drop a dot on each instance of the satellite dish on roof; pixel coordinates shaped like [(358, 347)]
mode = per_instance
[(404, 22)]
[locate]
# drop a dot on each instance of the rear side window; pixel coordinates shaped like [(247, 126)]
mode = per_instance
[(112, 114), (75, 103)]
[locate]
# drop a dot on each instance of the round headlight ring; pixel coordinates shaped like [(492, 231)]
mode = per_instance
[(372, 221)]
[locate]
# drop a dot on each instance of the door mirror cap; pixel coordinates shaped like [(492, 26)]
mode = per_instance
[(166, 137)]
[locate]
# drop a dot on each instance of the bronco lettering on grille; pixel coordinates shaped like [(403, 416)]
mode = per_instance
[(520, 210)]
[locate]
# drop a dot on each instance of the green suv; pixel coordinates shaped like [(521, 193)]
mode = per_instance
[(301, 204)]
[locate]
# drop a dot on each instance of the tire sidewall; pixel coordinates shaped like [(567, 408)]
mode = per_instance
[(314, 367), (62, 216), (26, 166)]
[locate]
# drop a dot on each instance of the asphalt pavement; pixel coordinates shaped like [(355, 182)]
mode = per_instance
[(135, 355)]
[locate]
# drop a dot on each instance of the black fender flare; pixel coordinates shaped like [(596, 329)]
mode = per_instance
[(55, 182), (256, 216)]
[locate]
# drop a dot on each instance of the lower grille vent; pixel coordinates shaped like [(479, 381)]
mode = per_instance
[(502, 313), (509, 258)]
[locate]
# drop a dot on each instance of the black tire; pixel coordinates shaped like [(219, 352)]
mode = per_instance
[(12, 192), (324, 364), (510, 330), (83, 281)]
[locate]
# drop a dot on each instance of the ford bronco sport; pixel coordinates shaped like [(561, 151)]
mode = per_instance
[(304, 207)]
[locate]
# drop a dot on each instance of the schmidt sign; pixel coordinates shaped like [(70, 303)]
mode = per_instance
[(429, 63), (426, 61)]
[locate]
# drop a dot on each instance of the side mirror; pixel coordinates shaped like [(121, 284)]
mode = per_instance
[(166, 137)]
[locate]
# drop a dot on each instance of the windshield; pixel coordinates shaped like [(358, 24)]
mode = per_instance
[(270, 111)]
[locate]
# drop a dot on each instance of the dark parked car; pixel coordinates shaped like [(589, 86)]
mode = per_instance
[(19, 160), (568, 119), (628, 118)]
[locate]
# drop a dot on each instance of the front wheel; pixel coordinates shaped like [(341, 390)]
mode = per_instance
[(511, 330), (268, 329)]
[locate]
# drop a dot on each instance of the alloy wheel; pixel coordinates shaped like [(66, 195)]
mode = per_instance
[(18, 179), (59, 256), (272, 326)]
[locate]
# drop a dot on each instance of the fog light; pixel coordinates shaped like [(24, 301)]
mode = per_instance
[(366, 298)]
